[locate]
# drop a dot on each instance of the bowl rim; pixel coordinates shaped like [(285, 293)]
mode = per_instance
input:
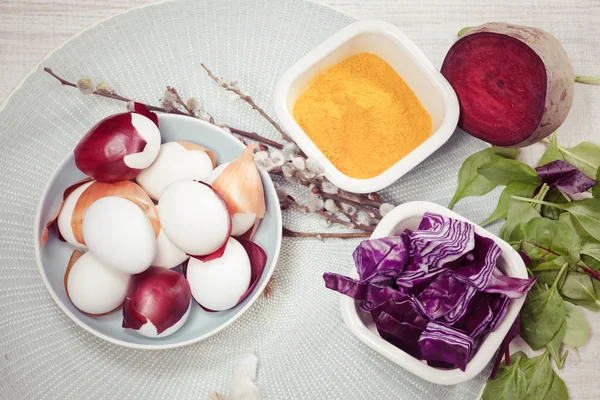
[(488, 347), (257, 291), (405, 164)]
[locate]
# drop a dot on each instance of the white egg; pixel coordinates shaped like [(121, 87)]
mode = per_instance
[(241, 223), (167, 255), (218, 284), (194, 217), (149, 330), (119, 234), (95, 288), (66, 215), (216, 172), (174, 163)]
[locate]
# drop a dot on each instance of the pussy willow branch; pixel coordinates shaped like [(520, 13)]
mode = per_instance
[(330, 218), (248, 100), (353, 235), (114, 96)]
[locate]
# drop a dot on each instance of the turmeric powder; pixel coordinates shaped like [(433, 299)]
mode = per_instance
[(362, 115)]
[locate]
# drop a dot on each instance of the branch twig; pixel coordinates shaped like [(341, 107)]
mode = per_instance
[(322, 235), (248, 100)]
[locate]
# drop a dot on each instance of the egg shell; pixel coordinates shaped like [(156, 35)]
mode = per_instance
[(194, 217), (174, 163), (119, 234), (149, 330), (150, 133), (93, 287), (66, 215), (218, 284)]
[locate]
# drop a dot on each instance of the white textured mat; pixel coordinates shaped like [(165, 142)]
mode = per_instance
[(304, 350)]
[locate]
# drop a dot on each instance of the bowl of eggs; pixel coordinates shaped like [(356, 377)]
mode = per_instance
[(158, 231)]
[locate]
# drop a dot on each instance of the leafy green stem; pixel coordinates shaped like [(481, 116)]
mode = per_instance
[(559, 276), (536, 201), (589, 271), (588, 80), (463, 31)]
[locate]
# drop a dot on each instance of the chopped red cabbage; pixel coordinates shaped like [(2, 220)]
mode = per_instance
[(439, 342), (565, 177), (400, 334), (405, 310), (478, 321), (513, 288), (440, 240), (478, 273), (436, 292), (499, 306), (381, 259), (441, 296), (369, 294), (462, 307)]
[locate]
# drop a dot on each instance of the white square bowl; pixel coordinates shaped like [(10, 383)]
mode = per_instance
[(388, 42), (408, 216)]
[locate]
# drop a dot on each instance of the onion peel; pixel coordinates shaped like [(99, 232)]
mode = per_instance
[(241, 186), (161, 296), (125, 189), (258, 261), (189, 146), (54, 216)]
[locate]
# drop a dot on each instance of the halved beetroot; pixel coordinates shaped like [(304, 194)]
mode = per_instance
[(514, 83)]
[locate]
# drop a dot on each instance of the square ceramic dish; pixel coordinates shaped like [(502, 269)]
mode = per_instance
[(391, 44), (408, 216)]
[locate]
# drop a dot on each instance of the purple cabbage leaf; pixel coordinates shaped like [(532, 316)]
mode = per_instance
[(441, 296), (439, 342), (440, 241), (381, 259)]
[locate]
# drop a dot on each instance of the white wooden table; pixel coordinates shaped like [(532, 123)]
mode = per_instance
[(30, 29)]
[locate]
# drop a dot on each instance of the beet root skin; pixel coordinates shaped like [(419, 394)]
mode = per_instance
[(539, 107)]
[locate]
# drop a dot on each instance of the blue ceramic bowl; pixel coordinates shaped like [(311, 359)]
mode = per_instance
[(52, 259)]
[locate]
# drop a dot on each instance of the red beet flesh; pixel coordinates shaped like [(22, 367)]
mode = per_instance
[(501, 84)]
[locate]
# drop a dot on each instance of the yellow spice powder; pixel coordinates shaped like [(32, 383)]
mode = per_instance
[(362, 115)]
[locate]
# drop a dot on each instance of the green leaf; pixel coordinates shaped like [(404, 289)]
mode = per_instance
[(470, 183), (577, 328), (545, 239), (558, 390), (554, 345), (518, 213), (575, 226), (579, 289), (510, 383), (591, 248), (585, 156), (516, 189), (504, 171), (586, 212), (539, 374), (596, 188), (552, 153), (542, 315), (553, 196)]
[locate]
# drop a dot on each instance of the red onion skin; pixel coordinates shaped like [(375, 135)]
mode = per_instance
[(142, 109), (100, 153), (258, 260), (160, 295)]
